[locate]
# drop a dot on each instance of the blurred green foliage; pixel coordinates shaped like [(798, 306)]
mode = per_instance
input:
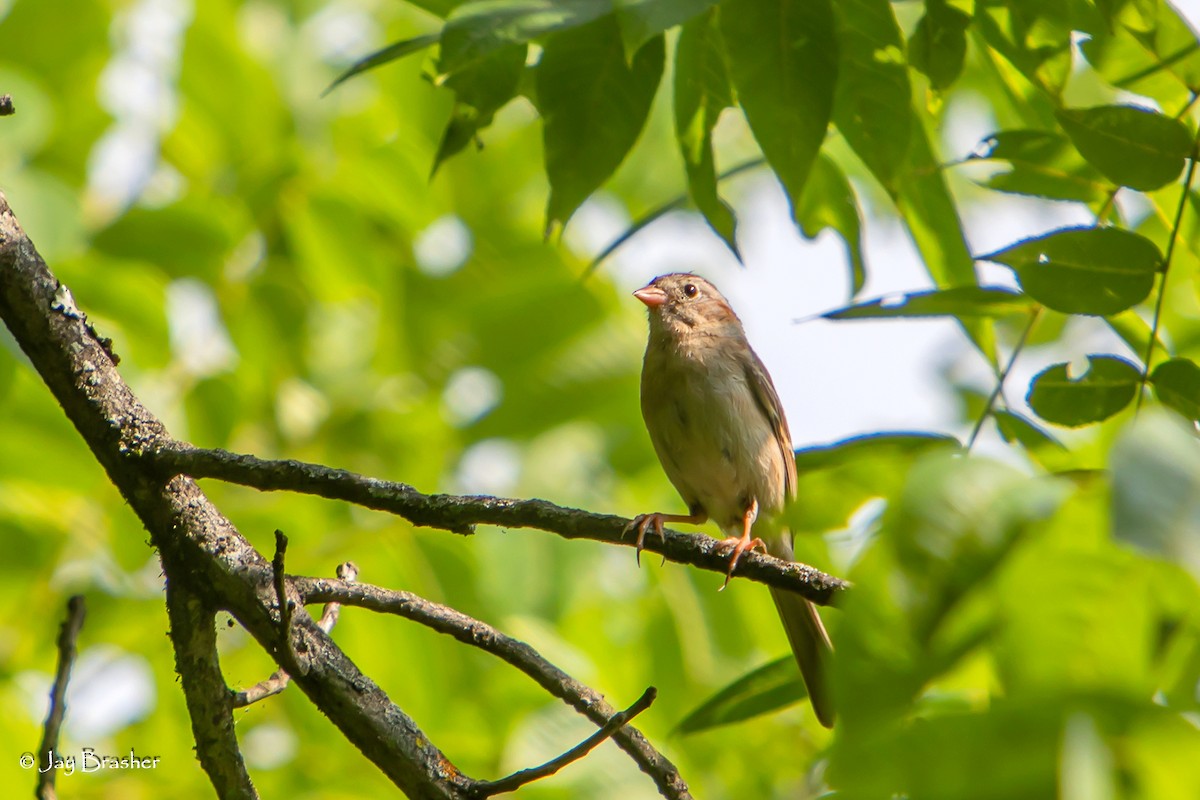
[(284, 278)]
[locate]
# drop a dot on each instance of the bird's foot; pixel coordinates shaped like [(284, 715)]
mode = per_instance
[(738, 545), (641, 523)]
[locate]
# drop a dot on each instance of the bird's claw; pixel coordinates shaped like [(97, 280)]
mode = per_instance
[(739, 545), (640, 523)]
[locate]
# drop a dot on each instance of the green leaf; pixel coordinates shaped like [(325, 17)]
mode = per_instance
[(188, 238), (379, 57), (930, 213), (938, 46), (1177, 384), (958, 301), (783, 62), (1131, 146), (770, 687), (1156, 489), (642, 20), (1044, 164), (474, 30), (828, 201), (1015, 427), (480, 91), (701, 92), (1094, 271), (1034, 36), (1109, 385), (1147, 49), (872, 107), (849, 473), (872, 445), (594, 105)]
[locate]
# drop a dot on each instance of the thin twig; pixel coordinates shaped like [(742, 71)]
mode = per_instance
[(468, 630), (285, 605), (460, 514), (1034, 315), (1107, 207), (1188, 106), (279, 680), (67, 634), (518, 779), (1162, 284), (665, 208)]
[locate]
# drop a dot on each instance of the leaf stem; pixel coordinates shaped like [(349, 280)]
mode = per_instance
[(672, 205), (1034, 316), (1162, 285)]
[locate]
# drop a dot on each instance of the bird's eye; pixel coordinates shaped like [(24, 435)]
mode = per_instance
[(690, 289)]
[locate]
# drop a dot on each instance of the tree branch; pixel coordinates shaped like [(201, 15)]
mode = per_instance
[(460, 514), (279, 680), (518, 779), (196, 543), (67, 634), (194, 637), (467, 630)]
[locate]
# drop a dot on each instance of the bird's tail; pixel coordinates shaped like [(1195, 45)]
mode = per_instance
[(811, 646)]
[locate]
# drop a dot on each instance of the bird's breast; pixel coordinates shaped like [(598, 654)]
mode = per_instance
[(713, 440)]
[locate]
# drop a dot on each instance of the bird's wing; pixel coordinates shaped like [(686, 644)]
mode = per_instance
[(768, 400)]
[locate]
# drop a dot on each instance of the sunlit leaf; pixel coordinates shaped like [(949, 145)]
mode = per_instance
[(1044, 164), (854, 471), (1156, 489), (783, 62), (770, 687), (701, 91), (958, 301), (872, 106), (1108, 386), (1038, 443), (473, 30), (829, 202), (1177, 384), (383, 56), (642, 20), (1132, 146), (593, 105), (1149, 49), (1084, 270), (928, 210), (480, 91), (1034, 37), (938, 45)]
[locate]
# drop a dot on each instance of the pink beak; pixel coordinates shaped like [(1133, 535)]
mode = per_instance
[(651, 295)]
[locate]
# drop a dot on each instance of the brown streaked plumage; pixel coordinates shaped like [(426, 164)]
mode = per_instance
[(719, 430)]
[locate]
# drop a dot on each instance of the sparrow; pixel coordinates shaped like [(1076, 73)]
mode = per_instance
[(719, 431)]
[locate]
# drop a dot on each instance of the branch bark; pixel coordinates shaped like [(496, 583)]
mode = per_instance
[(194, 637), (467, 630), (460, 514), (198, 546)]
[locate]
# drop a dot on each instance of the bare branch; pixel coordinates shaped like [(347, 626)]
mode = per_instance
[(279, 680), (285, 606), (194, 637), (467, 630), (67, 634), (518, 779), (461, 513), (196, 543)]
